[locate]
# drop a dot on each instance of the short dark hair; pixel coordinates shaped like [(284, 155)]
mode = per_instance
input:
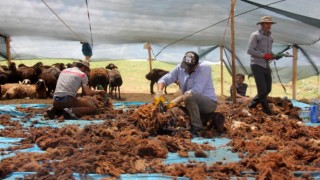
[(196, 56), (240, 75)]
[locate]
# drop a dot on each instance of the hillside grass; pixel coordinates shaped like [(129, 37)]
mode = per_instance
[(134, 71)]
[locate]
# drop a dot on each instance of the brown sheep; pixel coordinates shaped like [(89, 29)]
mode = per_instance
[(50, 81), (31, 73), (6, 87), (115, 81), (19, 91), (99, 76), (41, 89), (154, 75)]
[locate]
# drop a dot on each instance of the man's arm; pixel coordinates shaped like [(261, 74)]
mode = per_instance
[(253, 42), (87, 91), (168, 79)]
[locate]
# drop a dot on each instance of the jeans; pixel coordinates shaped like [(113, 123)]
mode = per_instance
[(263, 79)]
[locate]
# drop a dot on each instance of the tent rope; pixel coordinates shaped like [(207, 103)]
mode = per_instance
[(225, 30), (89, 22), (61, 20), (214, 24)]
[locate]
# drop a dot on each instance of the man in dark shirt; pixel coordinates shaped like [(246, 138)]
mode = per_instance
[(241, 88), (86, 50)]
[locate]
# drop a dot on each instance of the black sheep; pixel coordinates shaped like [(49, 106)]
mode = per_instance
[(111, 66), (12, 74), (115, 81), (154, 75)]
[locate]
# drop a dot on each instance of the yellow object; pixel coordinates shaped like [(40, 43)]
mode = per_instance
[(171, 105), (159, 99)]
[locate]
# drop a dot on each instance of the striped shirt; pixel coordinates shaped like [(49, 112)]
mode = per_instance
[(70, 81)]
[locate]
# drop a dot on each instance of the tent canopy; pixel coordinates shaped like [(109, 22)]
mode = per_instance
[(53, 29)]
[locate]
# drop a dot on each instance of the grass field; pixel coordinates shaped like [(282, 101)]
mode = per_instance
[(134, 71)]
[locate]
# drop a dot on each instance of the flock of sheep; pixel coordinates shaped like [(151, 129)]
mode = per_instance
[(39, 81)]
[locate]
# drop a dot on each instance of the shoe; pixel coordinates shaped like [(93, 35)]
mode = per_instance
[(68, 114), (195, 131), (253, 104), (51, 113)]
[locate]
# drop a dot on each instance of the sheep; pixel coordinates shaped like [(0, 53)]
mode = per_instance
[(25, 81), (50, 78), (31, 73), (99, 76), (6, 87), (41, 89), (69, 65), (3, 76), (115, 81), (111, 66), (18, 91), (154, 75), (11, 74)]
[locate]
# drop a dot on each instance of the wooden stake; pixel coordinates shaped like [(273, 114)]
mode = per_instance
[(221, 69), (8, 50), (294, 72), (148, 46), (233, 56)]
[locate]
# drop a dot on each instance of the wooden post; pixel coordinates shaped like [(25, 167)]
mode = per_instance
[(221, 69), (148, 46), (8, 50), (294, 72), (233, 55)]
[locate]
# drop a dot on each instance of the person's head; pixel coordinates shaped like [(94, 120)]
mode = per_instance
[(266, 23), (190, 61), (240, 78), (83, 66)]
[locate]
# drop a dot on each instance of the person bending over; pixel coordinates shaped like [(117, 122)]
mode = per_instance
[(197, 88), (64, 98)]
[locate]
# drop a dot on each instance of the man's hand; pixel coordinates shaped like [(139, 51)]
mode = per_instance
[(159, 98), (176, 102), (101, 92), (268, 57), (277, 56)]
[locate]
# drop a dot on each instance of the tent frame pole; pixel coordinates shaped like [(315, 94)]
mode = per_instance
[(221, 69), (233, 57), (8, 49), (149, 58), (294, 72)]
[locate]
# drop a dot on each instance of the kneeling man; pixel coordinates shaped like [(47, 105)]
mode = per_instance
[(197, 88)]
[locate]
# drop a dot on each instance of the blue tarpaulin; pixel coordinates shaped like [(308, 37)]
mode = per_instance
[(222, 152)]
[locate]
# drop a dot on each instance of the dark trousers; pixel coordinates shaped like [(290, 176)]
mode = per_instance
[(263, 79)]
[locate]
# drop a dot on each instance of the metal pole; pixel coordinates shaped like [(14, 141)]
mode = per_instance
[(233, 56)]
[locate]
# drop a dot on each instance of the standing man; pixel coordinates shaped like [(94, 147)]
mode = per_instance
[(64, 98), (197, 88), (260, 49), (86, 50)]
